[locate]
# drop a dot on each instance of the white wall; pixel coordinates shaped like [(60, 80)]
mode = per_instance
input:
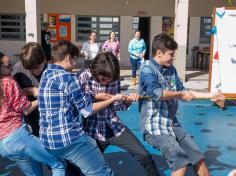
[(11, 48)]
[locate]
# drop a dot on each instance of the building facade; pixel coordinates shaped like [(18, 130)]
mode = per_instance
[(124, 16)]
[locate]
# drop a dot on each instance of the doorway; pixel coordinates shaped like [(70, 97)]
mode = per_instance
[(143, 24)]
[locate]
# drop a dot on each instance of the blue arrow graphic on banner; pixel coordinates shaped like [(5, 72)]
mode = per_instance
[(213, 30)]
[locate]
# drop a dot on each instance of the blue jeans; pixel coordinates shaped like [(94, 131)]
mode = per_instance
[(135, 63), (27, 152), (85, 154)]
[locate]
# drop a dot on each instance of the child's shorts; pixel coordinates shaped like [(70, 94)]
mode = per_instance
[(179, 151)]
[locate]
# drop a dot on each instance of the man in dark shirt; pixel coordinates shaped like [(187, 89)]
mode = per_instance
[(45, 40)]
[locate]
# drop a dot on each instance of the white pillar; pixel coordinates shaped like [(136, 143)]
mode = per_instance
[(32, 21), (73, 29), (180, 35), (126, 28)]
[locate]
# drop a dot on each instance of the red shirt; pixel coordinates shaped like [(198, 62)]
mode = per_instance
[(11, 106)]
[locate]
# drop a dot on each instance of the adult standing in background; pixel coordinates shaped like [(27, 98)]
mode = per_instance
[(46, 40), (112, 45), (90, 49), (136, 49)]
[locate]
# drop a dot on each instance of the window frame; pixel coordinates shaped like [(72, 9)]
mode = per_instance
[(21, 26), (97, 27), (205, 38)]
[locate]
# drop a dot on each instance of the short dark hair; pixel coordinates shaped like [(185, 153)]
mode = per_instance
[(111, 33), (163, 42), (137, 31), (62, 48), (107, 65), (32, 55), (1, 62), (1, 55), (90, 33)]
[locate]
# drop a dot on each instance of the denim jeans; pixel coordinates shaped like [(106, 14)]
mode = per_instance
[(84, 154), (27, 152), (129, 142), (135, 63)]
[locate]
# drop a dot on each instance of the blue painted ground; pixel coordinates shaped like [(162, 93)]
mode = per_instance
[(213, 129)]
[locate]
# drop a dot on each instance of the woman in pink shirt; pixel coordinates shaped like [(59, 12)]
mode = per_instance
[(16, 142), (112, 45)]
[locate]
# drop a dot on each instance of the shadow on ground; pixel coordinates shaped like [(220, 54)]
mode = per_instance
[(194, 74), (124, 164)]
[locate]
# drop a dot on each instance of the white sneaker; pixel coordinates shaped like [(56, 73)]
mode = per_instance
[(232, 173)]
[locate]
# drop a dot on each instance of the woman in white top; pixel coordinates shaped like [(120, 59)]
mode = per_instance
[(90, 49)]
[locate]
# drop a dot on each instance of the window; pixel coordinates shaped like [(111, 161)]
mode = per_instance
[(12, 27), (102, 25), (205, 30)]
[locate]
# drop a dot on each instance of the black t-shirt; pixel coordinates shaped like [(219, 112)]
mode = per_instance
[(26, 79), (45, 42)]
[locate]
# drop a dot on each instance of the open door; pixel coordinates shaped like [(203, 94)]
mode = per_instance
[(143, 24)]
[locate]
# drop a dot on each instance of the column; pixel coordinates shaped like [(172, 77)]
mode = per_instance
[(180, 35), (32, 21)]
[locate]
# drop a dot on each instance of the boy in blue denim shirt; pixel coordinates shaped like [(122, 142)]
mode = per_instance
[(160, 82)]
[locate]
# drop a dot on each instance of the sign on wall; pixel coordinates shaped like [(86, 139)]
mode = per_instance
[(59, 26), (223, 52)]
